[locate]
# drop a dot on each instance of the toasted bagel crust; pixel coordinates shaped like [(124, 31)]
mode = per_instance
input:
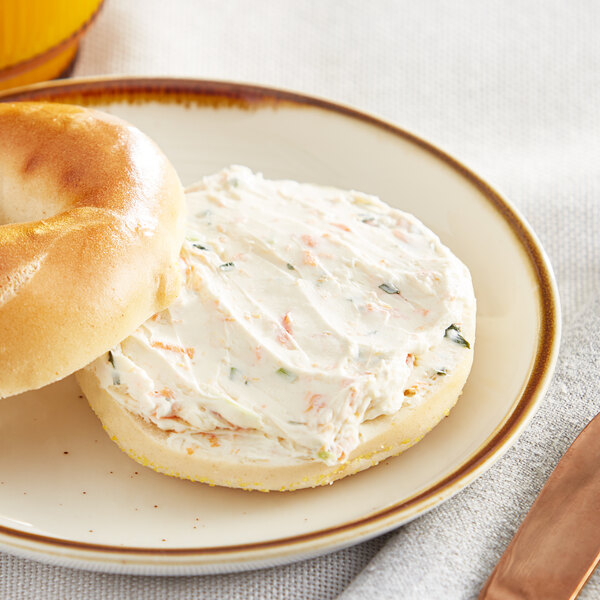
[(91, 224), (383, 437)]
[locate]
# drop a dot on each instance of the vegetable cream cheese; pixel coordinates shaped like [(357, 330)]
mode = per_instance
[(307, 311)]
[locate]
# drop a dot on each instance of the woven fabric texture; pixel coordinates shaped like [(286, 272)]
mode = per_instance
[(510, 88)]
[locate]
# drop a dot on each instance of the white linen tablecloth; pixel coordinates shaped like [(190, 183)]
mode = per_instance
[(510, 88)]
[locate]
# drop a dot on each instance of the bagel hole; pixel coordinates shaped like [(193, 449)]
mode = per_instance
[(25, 204)]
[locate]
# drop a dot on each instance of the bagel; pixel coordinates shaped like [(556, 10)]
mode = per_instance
[(92, 218), (318, 332)]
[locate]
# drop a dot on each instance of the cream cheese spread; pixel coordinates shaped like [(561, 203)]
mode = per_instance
[(306, 312)]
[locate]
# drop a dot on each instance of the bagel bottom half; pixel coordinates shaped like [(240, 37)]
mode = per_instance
[(383, 437)]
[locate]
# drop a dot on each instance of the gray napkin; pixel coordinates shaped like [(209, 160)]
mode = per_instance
[(450, 552)]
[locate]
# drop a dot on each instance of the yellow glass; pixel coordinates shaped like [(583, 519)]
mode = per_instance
[(39, 38)]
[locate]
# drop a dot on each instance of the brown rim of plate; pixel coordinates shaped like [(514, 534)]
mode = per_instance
[(90, 91), (19, 68)]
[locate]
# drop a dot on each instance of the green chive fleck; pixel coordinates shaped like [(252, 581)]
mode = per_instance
[(291, 377), (228, 266), (453, 334), (233, 372), (389, 289), (115, 375), (441, 372), (324, 455), (200, 246), (291, 267)]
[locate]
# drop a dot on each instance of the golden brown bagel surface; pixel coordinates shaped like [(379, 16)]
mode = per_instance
[(91, 224)]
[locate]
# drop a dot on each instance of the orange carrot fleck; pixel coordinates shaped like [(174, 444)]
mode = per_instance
[(196, 282), (342, 226), (258, 352), (309, 259), (286, 322), (314, 402), (284, 339), (172, 348), (165, 393), (308, 240), (214, 440)]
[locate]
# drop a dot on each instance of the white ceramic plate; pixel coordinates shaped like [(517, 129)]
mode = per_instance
[(69, 496)]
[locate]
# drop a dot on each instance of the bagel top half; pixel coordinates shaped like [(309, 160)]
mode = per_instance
[(319, 331), (91, 224)]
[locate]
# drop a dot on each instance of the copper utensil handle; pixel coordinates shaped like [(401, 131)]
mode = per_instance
[(557, 547)]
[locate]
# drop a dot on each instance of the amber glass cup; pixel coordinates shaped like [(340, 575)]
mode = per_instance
[(39, 38)]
